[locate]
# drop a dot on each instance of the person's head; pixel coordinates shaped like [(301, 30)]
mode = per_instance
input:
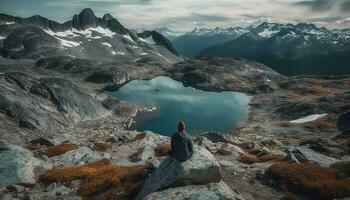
[(181, 126)]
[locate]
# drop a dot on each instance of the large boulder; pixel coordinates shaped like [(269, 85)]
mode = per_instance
[(343, 123), (80, 156), (315, 157), (19, 166), (213, 191), (202, 168)]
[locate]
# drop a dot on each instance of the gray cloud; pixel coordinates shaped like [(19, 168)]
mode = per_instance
[(325, 5)]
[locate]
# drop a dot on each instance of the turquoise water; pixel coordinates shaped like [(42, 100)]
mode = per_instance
[(200, 110)]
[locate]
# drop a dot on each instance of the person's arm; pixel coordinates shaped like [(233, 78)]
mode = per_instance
[(190, 147), (172, 146)]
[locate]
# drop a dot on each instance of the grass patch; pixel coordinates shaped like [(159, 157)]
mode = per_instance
[(139, 136), (311, 180), (101, 180), (271, 157), (58, 149), (249, 159), (162, 150)]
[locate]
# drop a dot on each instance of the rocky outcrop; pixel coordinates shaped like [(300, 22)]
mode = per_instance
[(29, 42), (159, 39), (213, 191), (85, 19), (80, 156), (343, 123), (226, 74), (202, 168), (315, 157), (46, 102), (19, 166)]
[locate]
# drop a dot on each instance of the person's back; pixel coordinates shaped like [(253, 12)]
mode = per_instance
[(181, 144)]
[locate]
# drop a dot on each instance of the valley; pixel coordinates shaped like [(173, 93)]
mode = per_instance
[(71, 139)]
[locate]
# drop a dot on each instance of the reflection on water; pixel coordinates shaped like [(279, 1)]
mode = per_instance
[(201, 110)]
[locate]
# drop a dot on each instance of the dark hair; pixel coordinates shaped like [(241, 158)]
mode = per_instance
[(181, 126)]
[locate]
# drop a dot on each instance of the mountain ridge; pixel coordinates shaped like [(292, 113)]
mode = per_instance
[(290, 49)]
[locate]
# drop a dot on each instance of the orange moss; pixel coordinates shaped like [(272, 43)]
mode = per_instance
[(311, 180), (101, 146), (162, 150), (58, 149), (101, 180), (316, 89), (249, 159), (271, 157), (324, 124), (223, 152), (252, 151), (139, 136)]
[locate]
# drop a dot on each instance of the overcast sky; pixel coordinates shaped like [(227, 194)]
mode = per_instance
[(189, 14)]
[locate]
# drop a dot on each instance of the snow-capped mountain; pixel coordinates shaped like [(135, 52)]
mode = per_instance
[(169, 34), (85, 37), (192, 42), (290, 49)]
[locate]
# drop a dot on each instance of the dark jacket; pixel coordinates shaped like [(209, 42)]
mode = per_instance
[(181, 146)]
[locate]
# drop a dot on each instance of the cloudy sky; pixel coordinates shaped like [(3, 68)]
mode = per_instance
[(189, 14)]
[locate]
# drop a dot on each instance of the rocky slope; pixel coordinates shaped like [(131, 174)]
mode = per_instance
[(85, 36)]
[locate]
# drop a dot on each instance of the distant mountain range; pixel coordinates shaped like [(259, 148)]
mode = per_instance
[(84, 37), (191, 43), (289, 49)]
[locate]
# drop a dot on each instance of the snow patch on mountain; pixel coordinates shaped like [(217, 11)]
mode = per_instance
[(148, 40), (64, 42), (309, 118), (104, 32), (268, 33), (107, 44), (127, 36), (2, 37)]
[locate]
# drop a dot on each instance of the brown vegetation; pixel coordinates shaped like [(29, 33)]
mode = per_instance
[(162, 150), (311, 180), (101, 180), (101, 146), (251, 159), (58, 149), (324, 124), (139, 136), (271, 157)]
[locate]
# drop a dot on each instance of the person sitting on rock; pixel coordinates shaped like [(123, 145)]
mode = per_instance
[(181, 144)]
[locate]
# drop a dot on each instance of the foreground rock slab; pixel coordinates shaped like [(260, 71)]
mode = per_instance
[(315, 157), (213, 191), (202, 168), (18, 165)]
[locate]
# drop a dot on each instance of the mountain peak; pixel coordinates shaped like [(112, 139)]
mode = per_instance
[(107, 17), (85, 19)]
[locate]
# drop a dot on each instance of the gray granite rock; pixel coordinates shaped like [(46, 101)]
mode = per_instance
[(202, 168)]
